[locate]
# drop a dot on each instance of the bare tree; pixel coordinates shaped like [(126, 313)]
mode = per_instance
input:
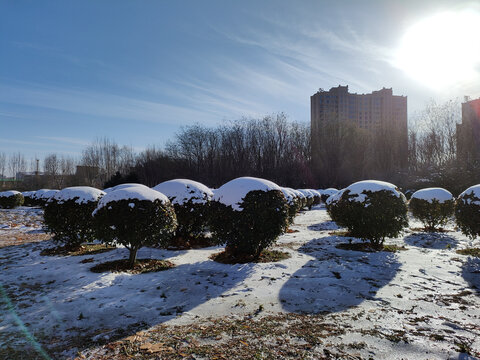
[(17, 164)]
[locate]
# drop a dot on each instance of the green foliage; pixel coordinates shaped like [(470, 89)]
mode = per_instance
[(192, 218), (70, 222), (11, 201), (135, 223), (431, 214), (381, 214), (28, 200), (467, 214), (264, 217), (294, 208)]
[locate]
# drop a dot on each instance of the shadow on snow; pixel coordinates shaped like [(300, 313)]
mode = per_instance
[(471, 273), (431, 240), (336, 279), (62, 300)]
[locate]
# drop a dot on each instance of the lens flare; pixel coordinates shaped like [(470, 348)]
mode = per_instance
[(442, 50)]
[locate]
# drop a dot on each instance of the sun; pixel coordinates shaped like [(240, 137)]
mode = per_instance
[(442, 50)]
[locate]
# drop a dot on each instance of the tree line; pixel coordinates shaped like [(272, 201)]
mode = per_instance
[(275, 148)]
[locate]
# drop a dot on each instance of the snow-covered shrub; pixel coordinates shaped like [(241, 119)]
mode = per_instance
[(294, 203), (309, 197), (432, 206), (191, 201), (44, 197), (68, 215), (467, 211), (28, 198), (134, 217), (37, 197), (11, 199), (122, 186), (370, 210), (317, 197), (248, 216), (327, 193), (331, 204)]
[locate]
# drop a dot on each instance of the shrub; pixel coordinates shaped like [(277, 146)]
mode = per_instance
[(248, 216), (191, 201), (11, 199), (308, 196), (331, 204), (371, 210), (28, 198), (44, 197), (432, 206), (317, 197), (135, 217), (294, 203), (37, 197), (68, 215), (327, 193), (467, 211)]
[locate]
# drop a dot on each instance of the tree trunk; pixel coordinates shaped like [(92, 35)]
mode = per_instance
[(132, 258)]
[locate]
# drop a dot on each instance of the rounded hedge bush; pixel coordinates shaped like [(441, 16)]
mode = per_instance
[(248, 216), (371, 210), (28, 198), (467, 211), (308, 196), (191, 201), (331, 204), (327, 193), (11, 199), (43, 198), (294, 203), (37, 197), (432, 206), (68, 215), (134, 217)]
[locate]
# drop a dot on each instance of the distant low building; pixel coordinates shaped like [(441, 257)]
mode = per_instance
[(468, 132)]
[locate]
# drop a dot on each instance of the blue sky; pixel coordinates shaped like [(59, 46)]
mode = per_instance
[(136, 71)]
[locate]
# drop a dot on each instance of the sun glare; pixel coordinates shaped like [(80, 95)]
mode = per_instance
[(443, 50)]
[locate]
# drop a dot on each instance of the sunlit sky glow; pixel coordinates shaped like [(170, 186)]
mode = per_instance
[(443, 50), (135, 71)]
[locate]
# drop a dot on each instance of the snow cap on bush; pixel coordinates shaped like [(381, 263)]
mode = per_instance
[(233, 192), (180, 191), (47, 195), (9, 193), (361, 187), (132, 192), (122, 186), (81, 194), (471, 195), (289, 195), (435, 193), (38, 194)]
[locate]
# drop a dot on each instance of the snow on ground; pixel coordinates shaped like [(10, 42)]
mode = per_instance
[(413, 304)]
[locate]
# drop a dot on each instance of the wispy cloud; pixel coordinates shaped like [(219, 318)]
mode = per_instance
[(98, 105), (65, 140)]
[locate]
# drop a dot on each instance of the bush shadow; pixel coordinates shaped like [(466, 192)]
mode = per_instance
[(324, 226), (336, 279), (431, 240), (471, 273), (63, 302)]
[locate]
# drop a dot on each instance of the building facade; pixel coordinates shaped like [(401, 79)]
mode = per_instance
[(468, 132), (380, 121), (368, 111)]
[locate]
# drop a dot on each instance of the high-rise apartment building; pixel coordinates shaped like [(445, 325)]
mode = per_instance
[(468, 132), (381, 122), (368, 111)]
